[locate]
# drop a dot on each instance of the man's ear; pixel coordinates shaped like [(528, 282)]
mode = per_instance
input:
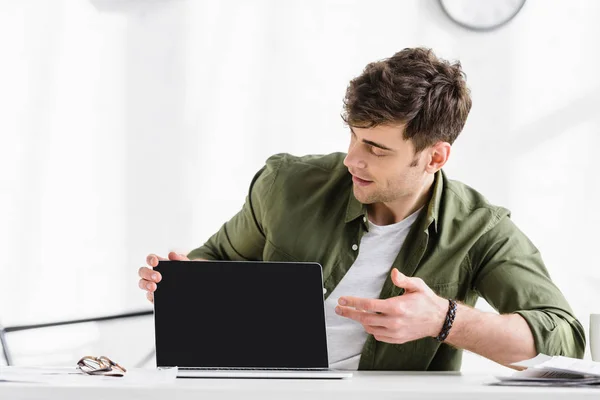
[(438, 156)]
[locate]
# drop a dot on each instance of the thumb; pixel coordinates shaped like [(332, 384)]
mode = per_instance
[(403, 281), (177, 257)]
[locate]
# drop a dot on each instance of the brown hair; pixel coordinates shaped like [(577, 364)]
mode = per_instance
[(415, 88)]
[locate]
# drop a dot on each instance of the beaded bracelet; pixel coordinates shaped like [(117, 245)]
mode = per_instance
[(448, 322)]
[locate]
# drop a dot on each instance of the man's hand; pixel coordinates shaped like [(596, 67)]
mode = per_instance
[(418, 313), (150, 278)]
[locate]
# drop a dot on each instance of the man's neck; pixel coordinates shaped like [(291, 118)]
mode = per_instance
[(393, 212)]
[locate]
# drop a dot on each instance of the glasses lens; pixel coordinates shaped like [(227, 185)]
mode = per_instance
[(90, 364), (116, 368)]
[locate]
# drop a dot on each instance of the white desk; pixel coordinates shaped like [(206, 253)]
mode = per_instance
[(363, 386)]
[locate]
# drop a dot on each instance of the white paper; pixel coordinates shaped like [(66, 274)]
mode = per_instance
[(562, 364), (584, 367), (532, 362), (544, 370), (537, 374), (72, 376)]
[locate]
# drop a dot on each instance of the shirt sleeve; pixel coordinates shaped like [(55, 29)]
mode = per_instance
[(511, 276), (242, 238)]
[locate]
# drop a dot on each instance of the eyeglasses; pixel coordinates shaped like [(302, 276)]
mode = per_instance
[(100, 366)]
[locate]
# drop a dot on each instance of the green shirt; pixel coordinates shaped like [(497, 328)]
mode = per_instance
[(304, 209)]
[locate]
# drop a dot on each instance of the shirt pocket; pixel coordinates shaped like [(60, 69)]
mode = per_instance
[(448, 290)]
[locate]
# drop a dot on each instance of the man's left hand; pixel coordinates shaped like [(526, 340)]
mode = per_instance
[(418, 313)]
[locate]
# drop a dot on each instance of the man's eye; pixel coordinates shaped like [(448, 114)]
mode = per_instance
[(376, 154)]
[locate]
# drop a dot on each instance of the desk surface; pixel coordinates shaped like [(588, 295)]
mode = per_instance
[(364, 386)]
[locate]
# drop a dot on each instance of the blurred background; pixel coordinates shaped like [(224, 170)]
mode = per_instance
[(135, 126)]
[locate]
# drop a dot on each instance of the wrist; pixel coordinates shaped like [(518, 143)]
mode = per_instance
[(452, 306), (440, 316)]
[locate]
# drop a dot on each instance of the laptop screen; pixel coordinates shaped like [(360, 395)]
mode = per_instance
[(240, 314)]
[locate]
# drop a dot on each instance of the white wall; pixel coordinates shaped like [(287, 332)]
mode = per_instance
[(130, 126)]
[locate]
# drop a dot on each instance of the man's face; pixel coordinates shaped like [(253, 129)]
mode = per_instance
[(383, 165)]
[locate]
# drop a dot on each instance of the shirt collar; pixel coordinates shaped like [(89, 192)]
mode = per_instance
[(433, 208), (356, 209)]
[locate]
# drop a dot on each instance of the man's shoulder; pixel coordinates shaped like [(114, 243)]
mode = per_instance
[(288, 163), (309, 185), (315, 169), (462, 202), (468, 197), (312, 177)]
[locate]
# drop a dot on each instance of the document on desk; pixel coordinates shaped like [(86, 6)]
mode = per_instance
[(544, 370), (72, 376), (38, 374)]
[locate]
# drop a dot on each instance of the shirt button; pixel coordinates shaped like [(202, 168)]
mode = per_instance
[(354, 247), (364, 219)]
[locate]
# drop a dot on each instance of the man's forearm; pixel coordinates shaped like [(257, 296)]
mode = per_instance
[(504, 339)]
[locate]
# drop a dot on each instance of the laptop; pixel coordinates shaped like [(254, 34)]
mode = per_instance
[(238, 319)]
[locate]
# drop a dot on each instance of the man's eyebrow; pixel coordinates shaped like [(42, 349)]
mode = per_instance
[(374, 144)]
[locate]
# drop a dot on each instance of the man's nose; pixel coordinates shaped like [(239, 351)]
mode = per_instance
[(353, 159)]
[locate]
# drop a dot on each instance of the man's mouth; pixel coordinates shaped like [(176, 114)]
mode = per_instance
[(360, 181)]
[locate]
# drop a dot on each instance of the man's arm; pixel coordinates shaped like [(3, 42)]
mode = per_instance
[(510, 275), (504, 339), (420, 312), (535, 317), (242, 238)]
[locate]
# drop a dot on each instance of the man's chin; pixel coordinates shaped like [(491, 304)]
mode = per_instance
[(361, 196)]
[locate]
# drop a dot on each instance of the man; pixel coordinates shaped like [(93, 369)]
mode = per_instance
[(387, 205)]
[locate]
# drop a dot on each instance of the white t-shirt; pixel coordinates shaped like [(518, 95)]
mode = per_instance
[(376, 254)]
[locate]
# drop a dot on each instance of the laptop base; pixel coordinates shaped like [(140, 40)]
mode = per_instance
[(263, 373)]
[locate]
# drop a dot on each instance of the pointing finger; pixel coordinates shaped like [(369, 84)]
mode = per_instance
[(373, 305)]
